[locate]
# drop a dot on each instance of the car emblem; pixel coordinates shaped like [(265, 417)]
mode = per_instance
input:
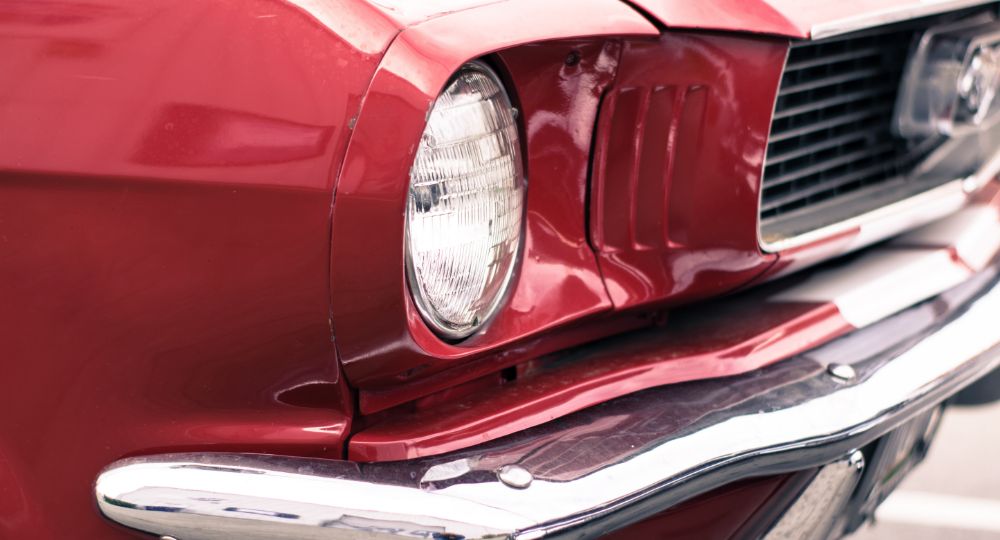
[(977, 85)]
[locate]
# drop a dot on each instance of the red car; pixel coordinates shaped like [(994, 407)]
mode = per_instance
[(469, 269)]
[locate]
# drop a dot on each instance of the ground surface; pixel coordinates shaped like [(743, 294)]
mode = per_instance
[(955, 493)]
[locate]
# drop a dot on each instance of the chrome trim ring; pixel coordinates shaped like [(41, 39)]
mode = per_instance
[(656, 448)]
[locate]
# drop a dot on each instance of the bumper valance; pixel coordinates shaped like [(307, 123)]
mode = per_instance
[(595, 469)]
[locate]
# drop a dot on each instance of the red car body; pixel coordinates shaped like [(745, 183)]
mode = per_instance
[(201, 227)]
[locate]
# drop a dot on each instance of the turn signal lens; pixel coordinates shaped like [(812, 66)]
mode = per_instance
[(466, 203)]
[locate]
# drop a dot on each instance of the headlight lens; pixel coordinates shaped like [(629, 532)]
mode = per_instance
[(465, 206)]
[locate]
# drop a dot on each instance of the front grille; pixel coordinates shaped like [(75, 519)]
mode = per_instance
[(831, 132)]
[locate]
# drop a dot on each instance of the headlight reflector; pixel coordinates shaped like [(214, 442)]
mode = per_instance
[(465, 204)]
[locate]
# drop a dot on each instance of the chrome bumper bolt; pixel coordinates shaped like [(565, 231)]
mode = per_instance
[(841, 372), (514, 476), (857, 460)]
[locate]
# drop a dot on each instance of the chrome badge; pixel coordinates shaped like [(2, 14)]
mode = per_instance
[(977, 87), (951, 80)]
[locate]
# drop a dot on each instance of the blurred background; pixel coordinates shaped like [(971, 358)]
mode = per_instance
[(955, 493)]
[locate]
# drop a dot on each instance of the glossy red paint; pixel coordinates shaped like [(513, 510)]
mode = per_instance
[(381, 338), (719, 338), (714, 339), (166, 176), (594, 328), (165, 184), (677, 166), (408, 13), (387, 350), (756, 16)]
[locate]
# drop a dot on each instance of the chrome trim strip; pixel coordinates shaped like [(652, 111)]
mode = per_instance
[(894, 218), (592, 471), (869, 19), (882, 222)]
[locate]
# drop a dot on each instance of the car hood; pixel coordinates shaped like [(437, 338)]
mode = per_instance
[(791, 18)]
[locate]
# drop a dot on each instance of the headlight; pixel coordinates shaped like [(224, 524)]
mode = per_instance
[(466, 202)]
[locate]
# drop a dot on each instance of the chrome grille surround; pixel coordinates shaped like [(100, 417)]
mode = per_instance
[(831, 131), (833, 160)]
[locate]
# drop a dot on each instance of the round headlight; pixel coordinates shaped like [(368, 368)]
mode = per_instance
[(465, 205)]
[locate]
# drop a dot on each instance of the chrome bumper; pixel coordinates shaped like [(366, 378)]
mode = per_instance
[(595, 470)]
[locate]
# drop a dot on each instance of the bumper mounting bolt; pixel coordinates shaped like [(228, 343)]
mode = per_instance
[(514, 476), (841, 372), (857, 460)]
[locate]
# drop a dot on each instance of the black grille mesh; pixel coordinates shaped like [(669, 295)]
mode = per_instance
[(831, 130)]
